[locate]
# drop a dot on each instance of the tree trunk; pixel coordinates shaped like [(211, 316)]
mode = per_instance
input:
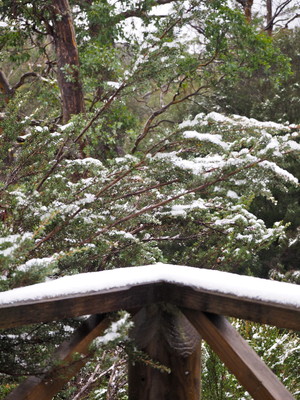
[(5, 88), (67, 60), (248, 10), (171, 356), (247, 6), (269, 27)]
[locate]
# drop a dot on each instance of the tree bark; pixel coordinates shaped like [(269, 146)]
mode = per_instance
[(68, 76), (5, 88), (247, 6), (248, 10), (269, 18)]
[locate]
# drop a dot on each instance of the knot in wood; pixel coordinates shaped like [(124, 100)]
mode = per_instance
[(165, 322)]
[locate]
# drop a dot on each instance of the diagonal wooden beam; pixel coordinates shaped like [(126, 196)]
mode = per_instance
[(238, 356), (69, 358)]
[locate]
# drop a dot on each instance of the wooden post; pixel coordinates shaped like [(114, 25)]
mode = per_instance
[(172, 348)]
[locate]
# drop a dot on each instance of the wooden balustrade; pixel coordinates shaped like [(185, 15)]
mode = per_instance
[(170, 320)]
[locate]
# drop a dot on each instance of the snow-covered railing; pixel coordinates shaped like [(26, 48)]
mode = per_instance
[(191, 299)]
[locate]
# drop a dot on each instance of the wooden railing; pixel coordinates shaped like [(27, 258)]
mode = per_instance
[(170, 320)]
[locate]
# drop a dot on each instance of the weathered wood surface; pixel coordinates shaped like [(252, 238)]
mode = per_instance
[(84, 304), (164, 335), (65, 365), (280, 315), (239, 357), (130, 297)]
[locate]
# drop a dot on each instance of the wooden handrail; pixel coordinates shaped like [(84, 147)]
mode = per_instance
[(129, 297), (204, 306)]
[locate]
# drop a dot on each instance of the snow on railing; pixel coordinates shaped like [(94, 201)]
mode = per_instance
[(188, 302)]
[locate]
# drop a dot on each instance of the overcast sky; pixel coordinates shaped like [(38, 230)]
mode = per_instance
[(294, 7)]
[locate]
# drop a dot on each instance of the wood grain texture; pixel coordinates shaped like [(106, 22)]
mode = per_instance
[(139, 295), (65, 365), (84, 304), (160, 338), (239, 357), (280, 315), (152, 336)]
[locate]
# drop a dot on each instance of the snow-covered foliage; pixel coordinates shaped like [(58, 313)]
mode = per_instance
[(80, 213)]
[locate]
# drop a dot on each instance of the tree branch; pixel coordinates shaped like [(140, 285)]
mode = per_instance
[(288, 21), (23, 79), (277, 12), (155, 114), (155, 206), (63, 152)]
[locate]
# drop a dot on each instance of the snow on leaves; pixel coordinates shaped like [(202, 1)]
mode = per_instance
[(197, 189)]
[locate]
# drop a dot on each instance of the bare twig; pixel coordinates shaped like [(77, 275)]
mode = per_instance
[(277, 12), (148, 125)]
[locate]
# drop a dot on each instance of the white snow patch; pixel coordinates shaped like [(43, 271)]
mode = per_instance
[(209, 280), (234, 120), (35, 262), (206, 137), (113, 332), (293, 145), (40, 129), (232, 194), (181, 209), (14, 241), (197, 166), (115, 85), (193, 122), (66, 126), (88, 198), (279, 171), (85, 161), (218, 117)]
